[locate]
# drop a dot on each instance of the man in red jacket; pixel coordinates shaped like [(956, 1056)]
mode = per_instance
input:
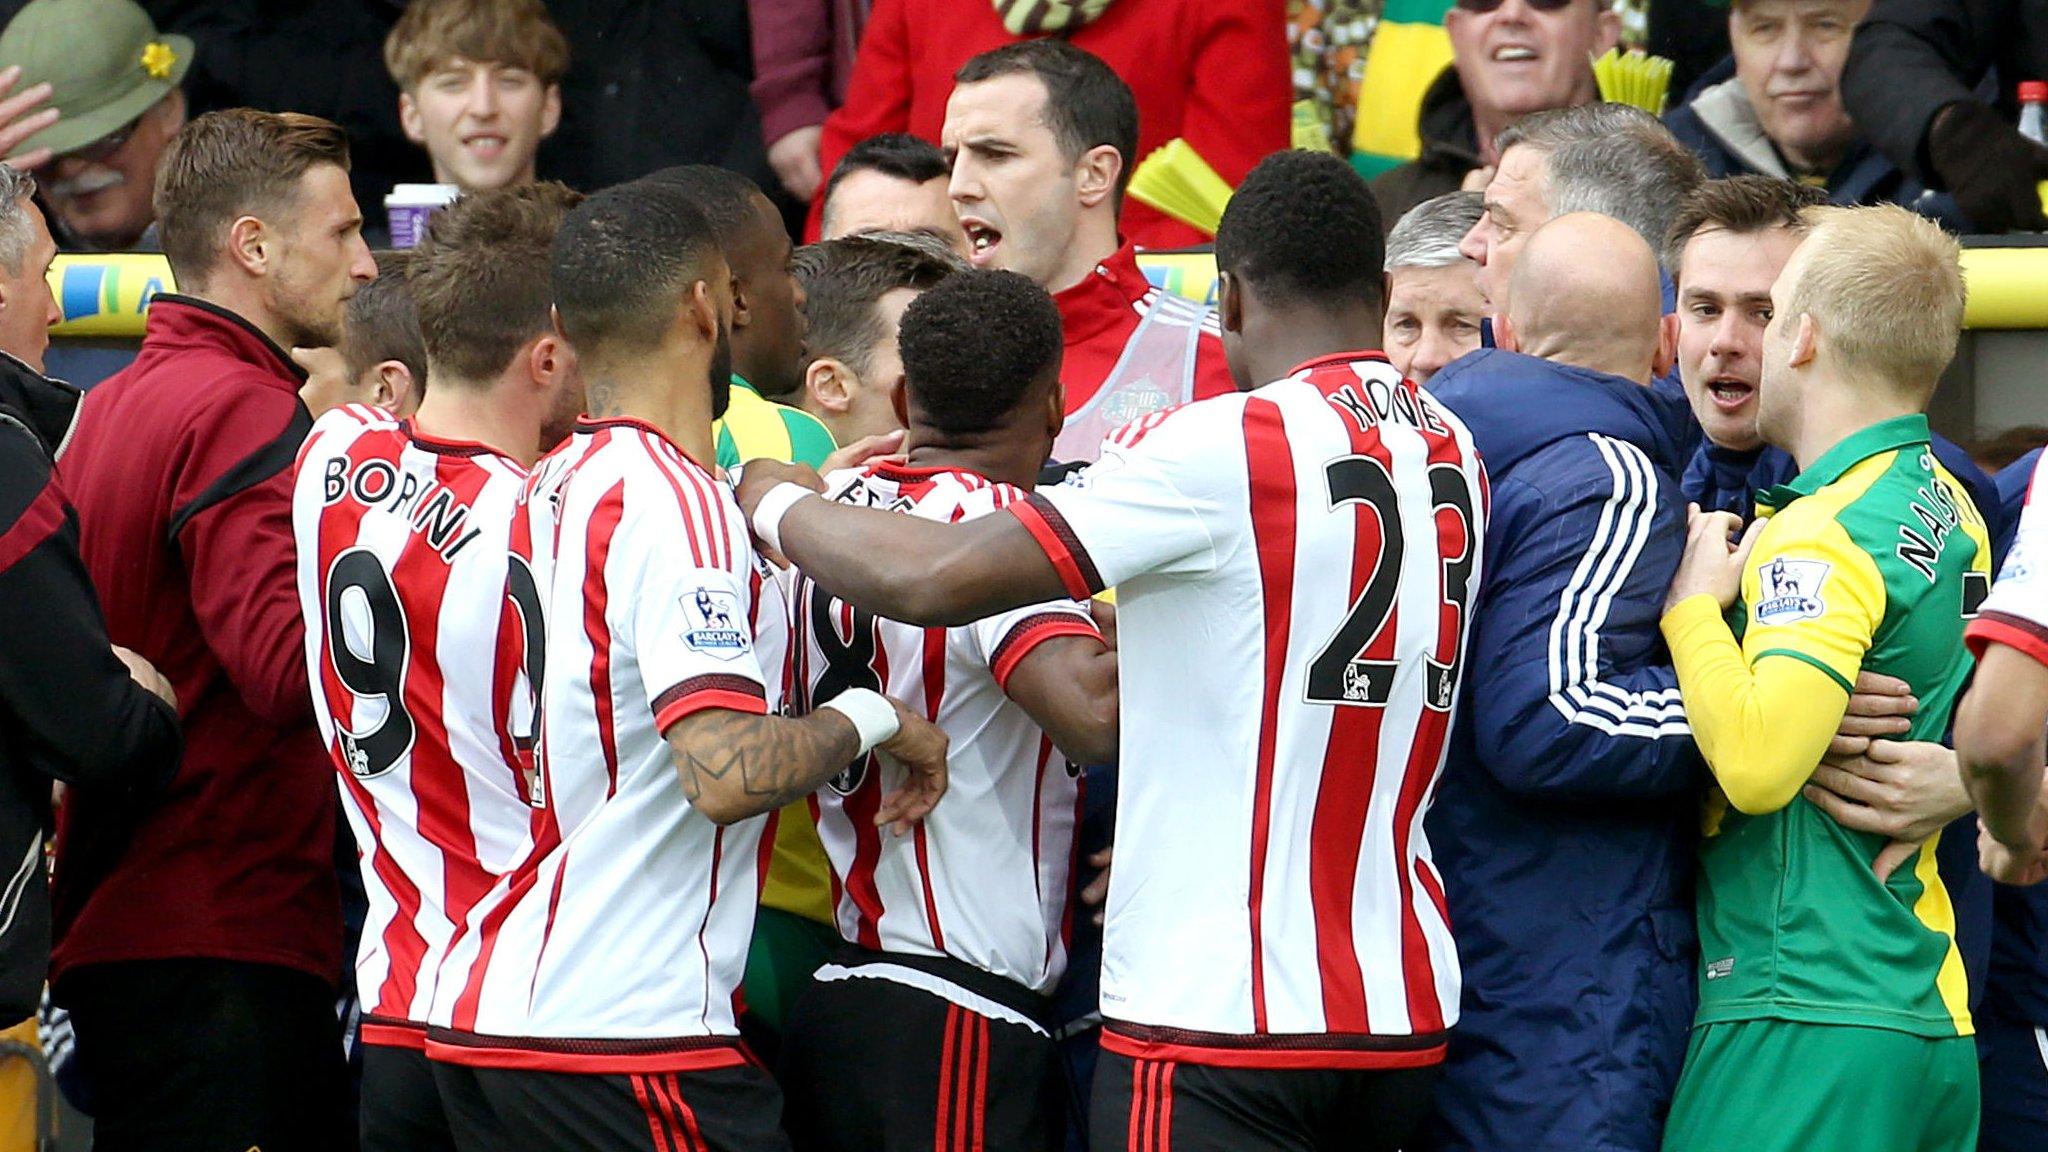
[(1041, 136), (199, 945), (1212, 72)]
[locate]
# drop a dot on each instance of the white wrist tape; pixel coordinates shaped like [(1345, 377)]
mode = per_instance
[(872, 714), (773, 507)]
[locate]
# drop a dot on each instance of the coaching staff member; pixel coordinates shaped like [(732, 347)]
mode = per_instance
[(199, 947), (68, 710)]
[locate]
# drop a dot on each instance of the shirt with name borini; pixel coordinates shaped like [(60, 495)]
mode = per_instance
[(618, 943), (1294, 569), (417, 647)]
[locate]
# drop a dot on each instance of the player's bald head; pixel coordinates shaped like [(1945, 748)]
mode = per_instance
[(1585, 292)]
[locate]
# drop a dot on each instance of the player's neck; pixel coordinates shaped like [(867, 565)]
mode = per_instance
[(497, 417), (1095, 240), (1000, 455), (646, 388), (1279, 340), (1830, 415)]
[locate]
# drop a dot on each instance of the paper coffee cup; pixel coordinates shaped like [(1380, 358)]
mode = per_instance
[(409, 206)]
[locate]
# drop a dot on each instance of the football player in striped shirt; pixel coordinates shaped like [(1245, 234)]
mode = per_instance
[(957, 933), (1293, 570), (592, 995), (419, 637)]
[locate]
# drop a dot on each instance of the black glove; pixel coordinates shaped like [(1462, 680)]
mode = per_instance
[(1993, 171)]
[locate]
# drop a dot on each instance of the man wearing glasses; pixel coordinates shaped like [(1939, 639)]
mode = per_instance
[(98, 87), (1508, 58)]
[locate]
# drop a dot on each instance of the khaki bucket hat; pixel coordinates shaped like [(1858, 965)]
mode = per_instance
[(105, 62)]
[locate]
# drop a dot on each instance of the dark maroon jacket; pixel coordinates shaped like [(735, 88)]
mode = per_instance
[(181, 474)]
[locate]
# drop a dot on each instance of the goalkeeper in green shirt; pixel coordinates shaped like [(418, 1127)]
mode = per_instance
[(1833, 1007)]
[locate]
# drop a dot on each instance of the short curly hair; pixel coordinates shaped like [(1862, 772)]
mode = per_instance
[(1304, 227), (975, 346)]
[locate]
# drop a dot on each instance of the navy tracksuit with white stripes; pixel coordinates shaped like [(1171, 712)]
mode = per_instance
[(1564, 824)]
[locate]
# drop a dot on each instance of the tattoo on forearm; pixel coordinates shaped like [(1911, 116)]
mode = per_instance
[(772, 759)]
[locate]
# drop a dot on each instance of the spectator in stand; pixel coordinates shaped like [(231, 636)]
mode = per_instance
[(1212, 72), (657, 83), (115, 92), (480, 86), (894, 182), (198, 946), (72, 707), (1509, 58), (1774, 108), (803, 60), (855, 291), (1607, 158), (381, 359), (1042, 135), (1919, 84), (1434, 305)]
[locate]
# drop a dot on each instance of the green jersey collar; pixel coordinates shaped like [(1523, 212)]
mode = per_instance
[(1883, 436), (740, 381)]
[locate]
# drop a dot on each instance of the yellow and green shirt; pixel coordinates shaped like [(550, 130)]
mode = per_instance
[(755, 428), (1870, 561)]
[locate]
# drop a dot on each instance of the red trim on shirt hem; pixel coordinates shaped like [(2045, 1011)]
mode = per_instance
[(2011, 631), (393, 1034), (37, 523), (1308, 1058), (603, 1057)]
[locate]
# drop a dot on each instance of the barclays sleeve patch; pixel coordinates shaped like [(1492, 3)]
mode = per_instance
[(717, 626), (1790, 590)]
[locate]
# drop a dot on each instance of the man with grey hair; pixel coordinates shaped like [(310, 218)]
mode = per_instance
[(1612, 159), (1434, 305)]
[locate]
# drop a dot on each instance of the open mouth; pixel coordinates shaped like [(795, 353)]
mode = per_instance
[(485, 145), (1730, 394), (1514, 54), (982, 241)]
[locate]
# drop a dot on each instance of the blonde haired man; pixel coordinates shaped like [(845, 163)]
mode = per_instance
[(1837, 997), (480, 86)]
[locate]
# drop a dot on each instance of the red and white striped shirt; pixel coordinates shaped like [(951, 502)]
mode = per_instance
[(617, 944), (417, 648), (984, 878), (1293, 570)]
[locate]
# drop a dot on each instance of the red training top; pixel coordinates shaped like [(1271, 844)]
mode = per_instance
[(1099, 315), (1214, 72), (181, 471)]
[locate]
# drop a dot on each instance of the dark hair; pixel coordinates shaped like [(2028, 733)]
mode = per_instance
[(1303, 227), (726, 198), (1086, 104), (624, 259), (975, 346), (897, 154), (382, 324), (229, 164), (1743, 205), (480, 279), (844, 279)]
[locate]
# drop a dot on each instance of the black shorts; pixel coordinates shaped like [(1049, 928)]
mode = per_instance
[(872, 1065), (715, 1110), (401, 1106), (1167, 1106), (201, 1055)]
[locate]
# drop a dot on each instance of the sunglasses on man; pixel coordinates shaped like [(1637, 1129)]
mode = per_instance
[(1485, 6)]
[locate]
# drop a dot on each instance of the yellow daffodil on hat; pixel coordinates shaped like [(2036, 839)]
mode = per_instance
[(105, 62)]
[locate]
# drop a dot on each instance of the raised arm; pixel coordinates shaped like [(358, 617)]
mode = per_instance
[(1999, 726)]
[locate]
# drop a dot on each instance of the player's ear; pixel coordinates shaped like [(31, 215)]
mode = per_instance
[(392, 388), (742, 308), (1504, 336), (1055, 408), (702, 311), (1667, 345), (1805, 341), (899, 400), (830, 384), (1229, 302)]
